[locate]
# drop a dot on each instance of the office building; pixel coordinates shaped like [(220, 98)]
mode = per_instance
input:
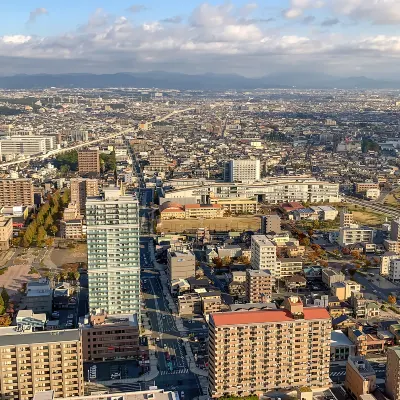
[(251, 353), (360, 377), (6, 232), (113, 253), (110, 337), (259, 284), (32, 362), (392, 383), (245, 171), (263, 254), (38, 297), (236, 205), (180, 264), (81, 189), (16, 192), (355, 234), (89, 161), (26, 145), (270, 223), (346, 218)]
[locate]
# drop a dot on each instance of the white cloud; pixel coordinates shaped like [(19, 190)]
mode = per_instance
[(16, 39), (297, 7), (37, 12)]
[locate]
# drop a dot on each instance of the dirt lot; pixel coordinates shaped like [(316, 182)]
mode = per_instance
[(69, 255), (392, 199), (239, 224), (366, 216)]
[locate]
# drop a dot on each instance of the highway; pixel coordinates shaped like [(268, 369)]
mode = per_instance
[(53, 153)]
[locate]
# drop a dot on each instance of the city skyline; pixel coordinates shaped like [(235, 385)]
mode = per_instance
[(343, 38)]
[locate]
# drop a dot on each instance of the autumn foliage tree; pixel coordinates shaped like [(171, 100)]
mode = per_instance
[(392, 299)]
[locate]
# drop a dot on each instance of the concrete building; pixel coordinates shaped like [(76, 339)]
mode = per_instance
[(6, 232), (81, 189), (71, 212), (331, 276), (346, 218), (237, 205), (360, 377), (263, 254), (270, 223), (180, 264), (384, 262), (113, 253), (392, 383), (38, 297), (245, 171), (286, 267), (189, 304), (259, 284), (26, 145), (364, 186), (355, 234), (341, 346), (16, 192), (395, 230), (71, 229), (394, 270), (294, 351), (89, 161), (32, 362), (110, 337)]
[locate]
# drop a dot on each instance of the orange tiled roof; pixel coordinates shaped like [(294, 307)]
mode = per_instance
[(203, 206), (265, 316)]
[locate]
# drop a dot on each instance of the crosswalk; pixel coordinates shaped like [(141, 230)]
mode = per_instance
[(343, 373), (204, 384), (175, 372)]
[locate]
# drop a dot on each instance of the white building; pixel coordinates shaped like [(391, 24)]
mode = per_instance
[(372, 193), (246, 171), (384, 262), (263, 254), (394, 270), (355, 234), (26, 145)]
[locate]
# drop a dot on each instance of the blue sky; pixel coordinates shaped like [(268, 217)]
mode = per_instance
[(248, 37)]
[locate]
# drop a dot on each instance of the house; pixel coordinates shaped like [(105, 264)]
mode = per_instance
[(295, 282)]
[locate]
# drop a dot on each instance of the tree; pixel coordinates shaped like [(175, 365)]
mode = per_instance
[(305, 241), (76, 275), (218, 262), (48, 222), (64, 169), (41, 236), (226, 261), (5, 320), (2, 306), (53, 229), (392, 299), (5, 296)]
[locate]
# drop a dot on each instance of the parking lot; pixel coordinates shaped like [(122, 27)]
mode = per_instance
[(111, 370)]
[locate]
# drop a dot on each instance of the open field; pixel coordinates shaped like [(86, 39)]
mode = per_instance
[(392, 198), (69, 255), (239, 224), (366, 216)]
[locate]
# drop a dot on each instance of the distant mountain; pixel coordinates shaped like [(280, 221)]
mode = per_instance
[(209, 81)]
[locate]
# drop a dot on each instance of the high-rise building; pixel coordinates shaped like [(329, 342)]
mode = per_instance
[(259, 351), (259, 284), (33, 362), (89, 161), (16, 192), (393, 373), (263, 254), (270, 223), (246, 171), (395, 230), (113, 253), (81, 189)]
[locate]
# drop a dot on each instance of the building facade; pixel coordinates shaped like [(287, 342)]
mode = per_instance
[(180, 264), (113, 253), (392, 383), (270, 223), (81, 189), (16, 192), (6, 232), (89, 161), (259, 284), (246, 171), (263, 254), (360, 377)]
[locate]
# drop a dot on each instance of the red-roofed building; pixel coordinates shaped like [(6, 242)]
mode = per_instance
[(259, 351), (291, 206)]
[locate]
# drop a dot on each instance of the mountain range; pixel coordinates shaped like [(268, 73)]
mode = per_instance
[(209, 81)]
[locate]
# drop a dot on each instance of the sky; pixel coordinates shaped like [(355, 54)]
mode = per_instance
[(250, 38)]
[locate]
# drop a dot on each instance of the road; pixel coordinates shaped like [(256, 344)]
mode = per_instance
[(165, 334), (375, 206), (338, 371)]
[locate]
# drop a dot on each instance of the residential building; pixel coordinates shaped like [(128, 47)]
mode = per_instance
[(211, 302), (6, 232), (180, 264), (331, 276), (362, 307), (113, 253), (360, 377), (38, 297), (395, 230), (346, 218), (89, 161), (71, 229), (259, 284), (288, 267), (263, 254), (384, 262), (294, 350), (325, 213), (81, 189), (16, 192), (355, 234), (392, 383), (394, 270), (71, 212), (245, 171), (392, 246), (342, 290), (110, 337), (365, 186), (270, 223), (189, 304), (33, 362)]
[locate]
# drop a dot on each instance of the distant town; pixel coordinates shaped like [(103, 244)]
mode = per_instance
[(170, 244)]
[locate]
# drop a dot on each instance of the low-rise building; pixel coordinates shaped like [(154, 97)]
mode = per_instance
[(341, 346), (38, 297), (6, 232), (289, 266), (180, 264), (189, 304), (71, 229), (355, 234), (394, 270), (331, 276), (360, 377), (384, 262), (236, 205)]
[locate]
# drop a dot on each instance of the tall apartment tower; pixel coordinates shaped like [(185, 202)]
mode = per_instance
[(113, 253), (33, 362), (246, 171), (393, 373), (81, 189), (89, 161), (270, 223), (259, 351), (395, 230), (259, 284), (263, 254), (16, 192), (346, 218)]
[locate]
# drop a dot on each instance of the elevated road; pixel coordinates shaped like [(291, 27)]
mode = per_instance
[(89, 143), (375, 206)]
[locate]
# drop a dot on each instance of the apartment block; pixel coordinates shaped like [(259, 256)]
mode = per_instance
[(89, 161), (290, 266), (16, 192), (360, 377), (392, 383), (395, 230), (32, 362), (6, 232), (110, 337), (394, 270), (263, 254), (270, 223), (346, 218), (189, 304), (180, 264), (355, 234), (331, 276), (246, 171), (81, 189), (259, 284), (237, 205), (251, 353), (38, 297), (71, 229), (384, 262)]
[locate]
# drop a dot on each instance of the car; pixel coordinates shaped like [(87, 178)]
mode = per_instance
[(115, 375), (375, 291), (165, 345), (381, 365), (157, 339), (182, 394)]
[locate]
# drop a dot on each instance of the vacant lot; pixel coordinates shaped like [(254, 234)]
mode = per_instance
[(239, 224), (366, 216), (69, 255), (393, 198)]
